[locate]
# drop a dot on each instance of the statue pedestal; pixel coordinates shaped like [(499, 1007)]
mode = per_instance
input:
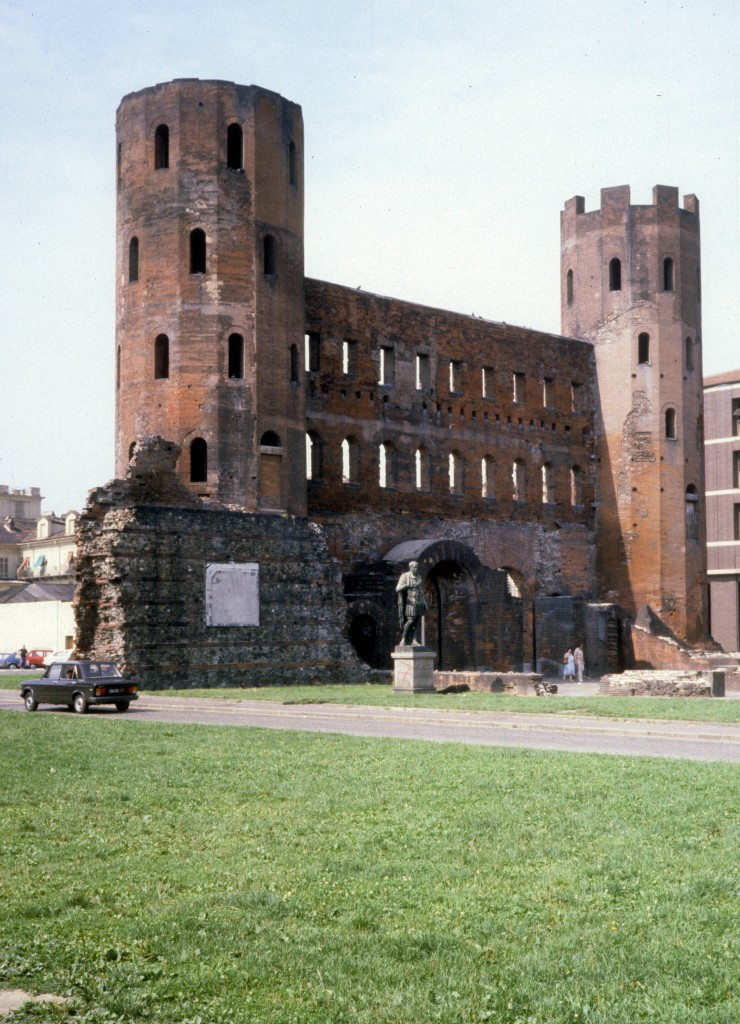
[(413, 669)]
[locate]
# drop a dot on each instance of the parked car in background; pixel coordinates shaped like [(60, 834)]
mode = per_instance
[(11, 660), (59, 656), (79, 685), (37, 657)]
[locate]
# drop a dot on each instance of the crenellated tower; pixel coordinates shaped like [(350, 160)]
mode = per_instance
[(209, 287), (630, 279)]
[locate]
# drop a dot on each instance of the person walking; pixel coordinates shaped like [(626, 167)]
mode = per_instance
[(569, 666), (580, 662)]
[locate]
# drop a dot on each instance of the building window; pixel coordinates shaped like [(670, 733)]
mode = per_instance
[(268, 255), (349, 358), (292, 164), (736, 417), (312, 352), (236, 357), (294, 364), (548, 392), (422, 467), (454, 469), (386, 465), (548, 484), (455, 376), (235, 147), (161, 147), (198, 251), (487, 382), (576, 486), (576, 397), (387, 366), (270, 440), (487, 488), (569, 287), (668, 274), (643, 348), (519, 481), (615, 275), (313, 456), (423, 376), (198, 461), (350, 461), (161, 357), (133, 260), (519, 389), (736, 521), (692, 513), (689, 355), (670, 424), (736, 469)]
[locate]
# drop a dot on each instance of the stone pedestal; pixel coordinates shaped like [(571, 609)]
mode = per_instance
[(413, 669)]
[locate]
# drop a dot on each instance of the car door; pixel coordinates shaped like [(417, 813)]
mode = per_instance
[(46, 689)]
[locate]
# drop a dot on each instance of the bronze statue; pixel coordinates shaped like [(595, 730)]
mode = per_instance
[(411, 605)]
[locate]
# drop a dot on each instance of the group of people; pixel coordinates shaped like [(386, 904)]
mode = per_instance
[(574, 664)]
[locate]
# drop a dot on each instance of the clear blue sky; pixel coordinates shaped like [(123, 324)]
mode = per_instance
[(442, 139)]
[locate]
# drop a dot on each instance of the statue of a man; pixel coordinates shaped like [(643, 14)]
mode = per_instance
[(411, 605)]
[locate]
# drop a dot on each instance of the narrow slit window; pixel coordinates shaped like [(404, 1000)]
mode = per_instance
[(198, 461), (486, 477), (487, 382), (454, 470), (518, 387), (133, 260), (569, 287), (576, 486), (236, 357), (670, 424), (422, 371), (312, 352), (692, 513), (313, 456), (548, 485), (548, 392), (668, 274), (643, 348), (198, 251), (350, 461), (349, 358), (268, 254), (422, 474), (161, 357), (615, 275), (456, 385), (387, 366), (518, 480), (235, 147), (161, 147)]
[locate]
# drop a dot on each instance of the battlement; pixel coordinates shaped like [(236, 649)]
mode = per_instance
[(618, 198)]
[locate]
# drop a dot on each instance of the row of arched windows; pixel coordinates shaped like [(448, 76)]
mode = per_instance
[(387, 471), (615, 277), (234, 358), (198, 252), (234, 150)]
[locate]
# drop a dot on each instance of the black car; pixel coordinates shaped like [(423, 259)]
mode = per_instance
[(78, 684)]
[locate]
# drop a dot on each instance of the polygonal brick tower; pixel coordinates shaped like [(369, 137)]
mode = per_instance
[(209, 289), (631, 285)]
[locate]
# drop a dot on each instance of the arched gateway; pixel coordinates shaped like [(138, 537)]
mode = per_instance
[(473, 622)]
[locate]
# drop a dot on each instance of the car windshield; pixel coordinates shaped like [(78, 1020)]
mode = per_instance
[(101, 668)]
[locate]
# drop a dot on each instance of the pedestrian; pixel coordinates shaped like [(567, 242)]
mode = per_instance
[(569, 665), (580, 661), (23, 655)]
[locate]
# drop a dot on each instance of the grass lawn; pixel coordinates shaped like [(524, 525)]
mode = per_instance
[(191, 874)]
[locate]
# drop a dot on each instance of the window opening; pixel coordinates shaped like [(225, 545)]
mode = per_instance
[(161, 147), (486, 477), (518, 379), (548, 392), (487, 382), (236, 357), (118, 367), (312, 352), (548, 485), (643, 348), (736, 517), (270, 439), (668, 274), (197, 251), (518, 481), (387, 366), (692, 513), (576, 397), (161, 357), (670, 424), (133, 260), (422, 372), (454, 469), (576, 486), (313, 453), (615, 275), (268, 253), (350, 461), (455, 376), (234, 147), (198, 461), (569, 287), (421, 460), (349, 358), (736, 469), (736, 417)]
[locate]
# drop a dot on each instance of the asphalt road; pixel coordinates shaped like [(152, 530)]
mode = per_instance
[(696, 741)]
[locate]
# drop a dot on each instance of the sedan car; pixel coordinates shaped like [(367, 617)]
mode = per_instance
[(79, 685), (11, 660), (37, 657)]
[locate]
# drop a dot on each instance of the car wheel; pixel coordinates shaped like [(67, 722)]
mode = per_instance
[(122, 705), (30, 701), (79, 704)]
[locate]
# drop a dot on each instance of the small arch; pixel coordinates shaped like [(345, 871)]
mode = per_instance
[(198, 461), (350, 460), (131, 449), (615, 275), (294, 365), (422, 469), (235, 147), (161, 357), (688, 355), (670, 424), (292, 164), (569, 287), (668, 274), (576, 485), (133, 260), (643, 348), (313, 455), (161, 147), (268, 255), (236, 357), (519, 480), (487, 485), (270, 439), (455, 472), (386, 465), (197, 251), (548, 484)]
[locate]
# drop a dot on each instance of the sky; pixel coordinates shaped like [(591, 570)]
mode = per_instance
[(442, 139)]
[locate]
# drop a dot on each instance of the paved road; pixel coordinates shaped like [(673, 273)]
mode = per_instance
[(697, 741)]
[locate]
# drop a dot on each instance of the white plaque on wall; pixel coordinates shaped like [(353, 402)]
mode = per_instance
[(233, 594)]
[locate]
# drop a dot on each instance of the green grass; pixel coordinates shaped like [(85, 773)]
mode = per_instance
[(690, 709), (191, 874)]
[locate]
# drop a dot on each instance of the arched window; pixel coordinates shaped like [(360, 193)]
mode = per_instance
[(422, 469), (234, 147), (643, 348), (270, 439), (198, 251), (487, 488), (688, 355), (292, 164), (615, 275), (161, 357), (386, 465), (519, 480), (668, 274), (576, 486), (670, 423), (548, 484), (313, 456), (455, 472), (692, 513), (131, 449), (236, 357), (294, 364), (118, 367), (569, 287), (133, 260), (161, 147), (268, 253), (350, 461), (198, 461)]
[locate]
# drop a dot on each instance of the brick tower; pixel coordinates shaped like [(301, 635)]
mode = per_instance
[(209, 287), (631, 285)]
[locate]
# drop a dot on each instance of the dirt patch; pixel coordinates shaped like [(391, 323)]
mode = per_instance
[(12, 999)]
